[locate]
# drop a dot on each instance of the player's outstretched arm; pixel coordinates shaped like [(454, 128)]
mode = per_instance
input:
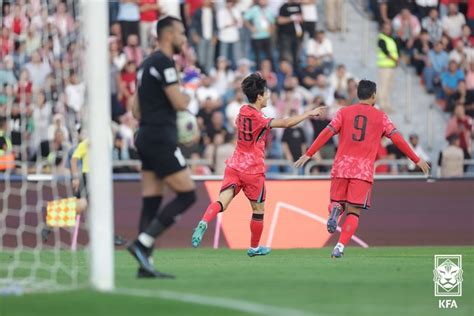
[(295, 120), (401, 144), (319, 142)]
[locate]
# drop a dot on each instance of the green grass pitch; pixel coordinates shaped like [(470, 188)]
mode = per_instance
[(374, 281)]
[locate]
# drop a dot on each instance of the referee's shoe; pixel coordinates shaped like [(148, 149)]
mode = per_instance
[(147, 270)]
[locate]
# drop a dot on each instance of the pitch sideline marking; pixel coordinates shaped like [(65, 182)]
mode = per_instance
[(226, 303)]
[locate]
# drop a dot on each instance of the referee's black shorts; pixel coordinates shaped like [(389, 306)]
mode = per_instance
[(162, 157)]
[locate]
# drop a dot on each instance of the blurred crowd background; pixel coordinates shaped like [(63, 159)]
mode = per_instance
[(42, 88)]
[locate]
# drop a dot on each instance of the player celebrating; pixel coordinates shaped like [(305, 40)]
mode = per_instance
[(360, 128), (157, 100), (246, 167)]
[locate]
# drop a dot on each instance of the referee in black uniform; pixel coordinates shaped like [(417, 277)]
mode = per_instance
[(158, 98)]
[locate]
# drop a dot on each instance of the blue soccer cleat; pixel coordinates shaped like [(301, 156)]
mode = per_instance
[(198, 233), (337, 253), (334, 217), (260, 251)]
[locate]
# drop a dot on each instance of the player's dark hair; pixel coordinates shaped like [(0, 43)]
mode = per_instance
[(165, 23), (366, 89), (253, 86)]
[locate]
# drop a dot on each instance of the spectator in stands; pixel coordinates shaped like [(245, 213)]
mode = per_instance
[(323, 89), (222, 76), (62, 20), (148, 17), (433, 25), (334, 12), (42, 111), (387, 62), (339, 80), (129, 18), (260, 21), (118, 57), (171, 8), (33, 41), (388, 9), (406, 27), (310, 16), (451, 159), (6, 42), (243, 68), (437, 63), (7, 74), (351, 95), (463, 96), (75, 90), (203, 30), (24, 88), (229, 23), (453, 22), (459, 55), (58, 125), (216, 127), (415, 144), (204, 119), (59, 147), (20, 57), (461, 125), (450, 79), (267, 73), (290, 32), (232, 109), (293, 141), (133, 51), (223, 151), (128, 84), (38, 70), (17, 20), (321, 47), (311, 72), (424, 7), (18, 129), (286, 76), (421, 49), (207, 92)]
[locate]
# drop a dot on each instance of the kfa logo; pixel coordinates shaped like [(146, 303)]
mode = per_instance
[(447, 278)]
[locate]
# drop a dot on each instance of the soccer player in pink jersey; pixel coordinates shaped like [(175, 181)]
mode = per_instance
[(246, 167), (360, 128)]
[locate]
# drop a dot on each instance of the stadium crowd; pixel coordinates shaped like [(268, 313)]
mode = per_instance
[(42, 89)]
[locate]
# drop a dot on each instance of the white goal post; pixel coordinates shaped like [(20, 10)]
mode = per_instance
[(97, 75)]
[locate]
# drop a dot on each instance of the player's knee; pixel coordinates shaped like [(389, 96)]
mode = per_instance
[(187, 198)]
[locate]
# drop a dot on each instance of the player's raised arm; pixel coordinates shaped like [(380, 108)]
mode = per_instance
[(397, 139), (295, 120), (401, 144)]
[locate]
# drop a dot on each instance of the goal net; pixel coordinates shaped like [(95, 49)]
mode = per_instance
[(44, 239)]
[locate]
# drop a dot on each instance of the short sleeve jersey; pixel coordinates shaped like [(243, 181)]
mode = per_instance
[(155, 74), (360, 128), (252, 128)]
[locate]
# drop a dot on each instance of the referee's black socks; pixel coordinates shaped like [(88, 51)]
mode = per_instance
[(150, 206), (167, 216)]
